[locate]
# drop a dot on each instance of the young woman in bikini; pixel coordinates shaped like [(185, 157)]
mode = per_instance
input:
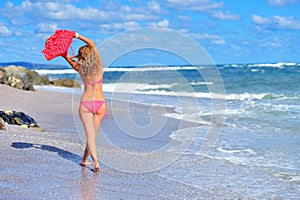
[(92, 108)]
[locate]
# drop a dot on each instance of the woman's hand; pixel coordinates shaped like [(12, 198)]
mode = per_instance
[(70, 60), (65, 56)]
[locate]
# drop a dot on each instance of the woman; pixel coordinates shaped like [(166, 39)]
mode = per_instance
[(92, 107)]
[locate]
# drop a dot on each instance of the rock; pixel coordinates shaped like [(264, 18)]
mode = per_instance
[(23, 73), (23, 119), (24, 126), (28, 77), (9, 112), (64, 82), (45, 80), (6, 117), (2, 75), (18, 118), (27, 85), (18, 121), (15, 82), (28, 120), (23, 78), (2, 124)]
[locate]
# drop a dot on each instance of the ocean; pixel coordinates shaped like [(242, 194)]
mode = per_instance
[(260, 112)]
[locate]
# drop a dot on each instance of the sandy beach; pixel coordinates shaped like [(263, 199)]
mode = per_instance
[(45, 164)]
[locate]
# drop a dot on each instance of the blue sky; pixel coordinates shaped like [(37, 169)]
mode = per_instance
[(231, 31)]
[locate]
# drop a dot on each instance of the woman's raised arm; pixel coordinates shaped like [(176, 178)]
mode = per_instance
[(72, 62), (86, 40)]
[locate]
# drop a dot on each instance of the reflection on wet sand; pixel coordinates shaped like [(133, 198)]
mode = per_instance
[(88, 184)]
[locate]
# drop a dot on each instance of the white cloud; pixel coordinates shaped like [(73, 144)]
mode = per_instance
[(183, 31), (125, 8), (18, 33), (270, 43), (219, 42), (260, 20), (202, 36), (233, 46), (154, 6), (184, 18), (46, 28), (136, 16), (52, 6), (280, 3), (70, 12), (61, 1), (117, 27), (39, 12), (196, 5), (4, 31), (278, 22), (225, 16), (9, 4), (216, 39), (162, 24)]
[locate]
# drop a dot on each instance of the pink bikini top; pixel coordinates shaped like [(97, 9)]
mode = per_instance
[(93, 84)]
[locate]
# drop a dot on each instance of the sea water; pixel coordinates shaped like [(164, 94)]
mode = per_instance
[(261, 127)]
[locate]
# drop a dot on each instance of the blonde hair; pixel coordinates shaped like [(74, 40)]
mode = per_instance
[(83, 52), (88, 61)]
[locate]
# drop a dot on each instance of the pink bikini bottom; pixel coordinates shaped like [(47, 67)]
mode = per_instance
[(93, 106)]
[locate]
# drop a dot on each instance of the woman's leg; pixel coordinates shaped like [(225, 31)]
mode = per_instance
[(98, 118), (88, 123), (86, 154)]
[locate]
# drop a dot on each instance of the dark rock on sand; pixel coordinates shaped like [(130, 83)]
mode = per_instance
[(26, 119), (18, 118), (6, 117), (2, 75), (2, 124), (64, 82)]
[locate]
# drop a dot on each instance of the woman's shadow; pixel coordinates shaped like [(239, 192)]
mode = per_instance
[(62, 153), (88, 183)]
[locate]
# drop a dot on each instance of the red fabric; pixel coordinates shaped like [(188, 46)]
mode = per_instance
[(58, 44)]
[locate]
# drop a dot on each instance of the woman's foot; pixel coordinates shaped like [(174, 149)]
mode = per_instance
[(85, 163), (96, 167)]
